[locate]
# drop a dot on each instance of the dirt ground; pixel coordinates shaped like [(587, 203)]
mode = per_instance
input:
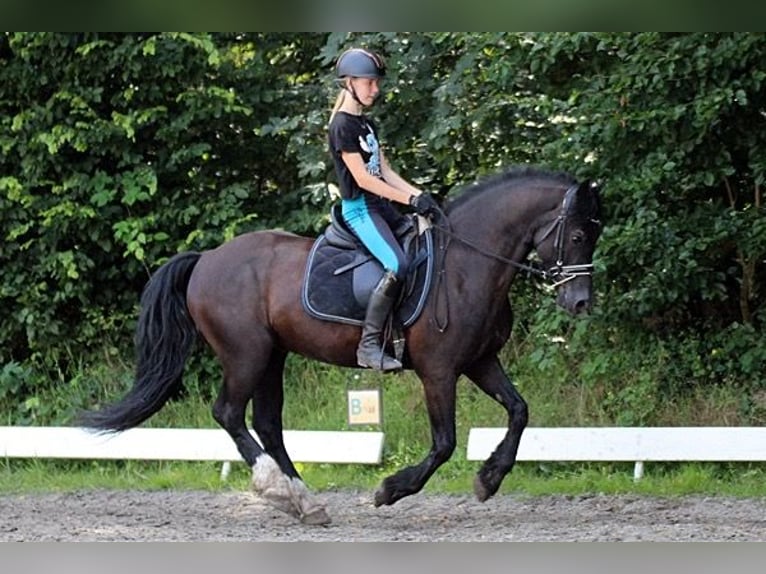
[(205, 516)]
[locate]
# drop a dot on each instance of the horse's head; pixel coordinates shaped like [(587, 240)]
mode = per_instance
[(566, 244)]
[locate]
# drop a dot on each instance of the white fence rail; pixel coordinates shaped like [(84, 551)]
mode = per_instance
[(362, 447), (612, 444), (631, 444)]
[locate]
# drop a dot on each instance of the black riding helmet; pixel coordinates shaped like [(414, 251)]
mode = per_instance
[(359, 63)]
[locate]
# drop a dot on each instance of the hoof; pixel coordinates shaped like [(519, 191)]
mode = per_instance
[(381, 498), (480, 490), (316, 517), (282, 504)]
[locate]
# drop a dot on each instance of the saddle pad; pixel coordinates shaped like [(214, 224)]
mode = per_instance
[(338, 282)]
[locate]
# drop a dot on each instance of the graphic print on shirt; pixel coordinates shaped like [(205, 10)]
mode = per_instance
[(370, 146)]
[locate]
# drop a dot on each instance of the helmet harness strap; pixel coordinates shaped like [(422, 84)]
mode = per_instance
[(350, 89)]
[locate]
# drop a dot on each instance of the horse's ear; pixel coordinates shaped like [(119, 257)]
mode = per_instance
[(589, 197), (588, 186)]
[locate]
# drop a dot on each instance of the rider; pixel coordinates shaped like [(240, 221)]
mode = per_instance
[(368, 185)]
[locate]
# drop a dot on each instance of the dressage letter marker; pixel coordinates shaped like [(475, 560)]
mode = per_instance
[(364, 407)]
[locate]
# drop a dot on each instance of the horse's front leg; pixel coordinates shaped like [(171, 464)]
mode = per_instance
[(440, 402), (489, 376)]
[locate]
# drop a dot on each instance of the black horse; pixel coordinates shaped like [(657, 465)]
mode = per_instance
[(244, 299)]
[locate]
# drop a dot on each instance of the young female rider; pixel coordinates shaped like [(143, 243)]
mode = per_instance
[(368, 185)]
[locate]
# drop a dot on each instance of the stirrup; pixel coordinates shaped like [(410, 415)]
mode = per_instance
[(382, 362)]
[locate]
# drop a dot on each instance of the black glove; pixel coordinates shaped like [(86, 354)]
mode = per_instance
[(424, 204)]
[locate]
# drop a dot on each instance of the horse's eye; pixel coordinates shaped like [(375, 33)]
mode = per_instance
[(578, 237)]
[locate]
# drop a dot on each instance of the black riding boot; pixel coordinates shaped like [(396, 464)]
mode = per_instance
[(370, 352)]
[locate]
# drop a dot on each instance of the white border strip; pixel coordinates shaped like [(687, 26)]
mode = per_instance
[(340, 447), (633, 444)]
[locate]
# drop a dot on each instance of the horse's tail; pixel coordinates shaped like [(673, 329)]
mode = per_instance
[(164, 338)]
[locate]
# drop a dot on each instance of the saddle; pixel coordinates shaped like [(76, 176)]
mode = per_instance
[(340, 273)]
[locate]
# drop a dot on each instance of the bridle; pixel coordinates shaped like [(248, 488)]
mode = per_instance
[(559, 273)]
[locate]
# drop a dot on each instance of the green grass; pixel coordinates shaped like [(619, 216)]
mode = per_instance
[(455, 477), (315, 399), (18, 476)]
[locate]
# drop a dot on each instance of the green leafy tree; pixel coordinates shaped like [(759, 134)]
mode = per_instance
[(119, 150)]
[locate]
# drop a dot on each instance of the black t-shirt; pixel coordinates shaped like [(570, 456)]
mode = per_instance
[(353, 134)]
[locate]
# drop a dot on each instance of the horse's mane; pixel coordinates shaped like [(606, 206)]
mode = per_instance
[(510, 177)]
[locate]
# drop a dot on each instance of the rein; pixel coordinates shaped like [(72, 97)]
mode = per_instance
[(531, 269), (558, 274)]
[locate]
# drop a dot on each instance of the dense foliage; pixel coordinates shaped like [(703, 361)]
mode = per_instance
[(118, 150)]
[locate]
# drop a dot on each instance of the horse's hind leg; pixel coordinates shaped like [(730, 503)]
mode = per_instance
[(268, 400), (243, 372), (489, 376), (229, 412)]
